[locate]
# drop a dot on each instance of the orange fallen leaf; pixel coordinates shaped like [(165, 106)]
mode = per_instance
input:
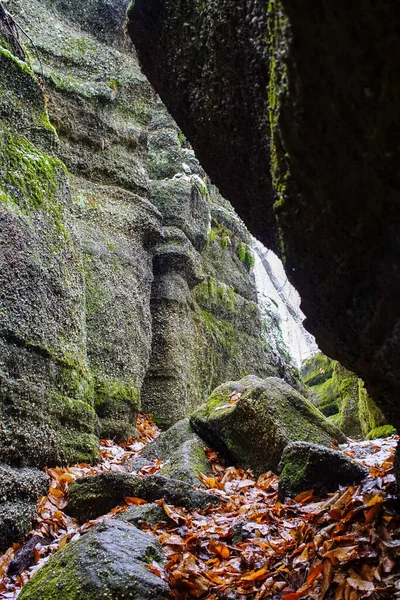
[(131, 501), (258, 575)]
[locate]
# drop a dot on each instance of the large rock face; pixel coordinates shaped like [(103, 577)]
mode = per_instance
[(113, 284), (293, 111), (118, 287), (46, 415), (100, 103)]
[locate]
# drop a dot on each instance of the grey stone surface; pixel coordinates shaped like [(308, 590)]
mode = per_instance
[(91, 497), (268, 412), (110, 560), (19, 492), (307, 466), (145, 515)]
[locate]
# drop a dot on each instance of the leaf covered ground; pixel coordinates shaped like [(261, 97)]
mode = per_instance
[(342, 547)]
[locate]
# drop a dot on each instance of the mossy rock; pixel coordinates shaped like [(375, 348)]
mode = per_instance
[(16, 519), (19, 492), (317, 369), (382, 432), (307, 466), (335, 390), (108, 562), (270, 413), (188, 462), (91, 497), (168, 442)]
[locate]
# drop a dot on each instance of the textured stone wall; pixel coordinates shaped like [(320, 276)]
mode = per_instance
[(292, 108), (125, 273)]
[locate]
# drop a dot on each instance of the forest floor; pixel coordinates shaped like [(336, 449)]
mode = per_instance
[(345, 546)]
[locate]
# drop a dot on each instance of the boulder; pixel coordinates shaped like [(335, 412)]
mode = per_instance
[(307, 466), (188, 462), (111, 561), (168, 442), (182, 450), (269, 413), (19, 491), (90, 497)]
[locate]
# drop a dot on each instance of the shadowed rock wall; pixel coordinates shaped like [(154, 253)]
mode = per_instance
[(292, 108)]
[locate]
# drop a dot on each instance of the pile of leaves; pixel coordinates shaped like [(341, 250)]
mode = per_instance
[(53, 524), (346, 546), (342, 547)]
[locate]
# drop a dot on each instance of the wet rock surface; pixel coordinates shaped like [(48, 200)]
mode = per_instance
[(341, 396), (91, 497), (307, 466), (182, 451), (109, 561), (269, 413)]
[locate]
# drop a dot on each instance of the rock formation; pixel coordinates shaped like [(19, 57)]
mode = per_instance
[(292, 110), (341, 396), (269, 413), (126, 278)]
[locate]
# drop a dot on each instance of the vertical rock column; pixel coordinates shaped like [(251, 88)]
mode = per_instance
[(177, 269)]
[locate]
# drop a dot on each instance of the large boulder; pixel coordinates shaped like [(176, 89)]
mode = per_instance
[(307, 466), (111, 561), (19, 492), (292, 109), (252, 420), (90, 497)]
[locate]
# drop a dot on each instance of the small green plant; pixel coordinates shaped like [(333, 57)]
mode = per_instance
[(114, 84), (249, 259), (241, 252), (224, 242), (181, 138)]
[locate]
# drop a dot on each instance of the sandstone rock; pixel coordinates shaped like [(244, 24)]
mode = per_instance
[(188, 462), (168, 442), (182, 451), (307, 466), (341, 395), (269, 413), (110, 560), (90, 497), (46, 415)]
